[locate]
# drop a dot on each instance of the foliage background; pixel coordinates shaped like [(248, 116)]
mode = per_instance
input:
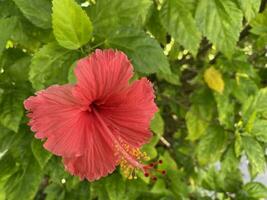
[(207, 60)]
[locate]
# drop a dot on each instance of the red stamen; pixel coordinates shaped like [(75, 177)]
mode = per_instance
[(146, 174), (160, 161)]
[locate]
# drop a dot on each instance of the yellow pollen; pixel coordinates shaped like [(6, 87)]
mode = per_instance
[(128, 169)]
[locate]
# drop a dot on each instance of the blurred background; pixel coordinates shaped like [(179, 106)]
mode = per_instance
[(207, 60)]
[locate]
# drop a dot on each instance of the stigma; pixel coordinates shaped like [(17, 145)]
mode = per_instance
[(132, 159)]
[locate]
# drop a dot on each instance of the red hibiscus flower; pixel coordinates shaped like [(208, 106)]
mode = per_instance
[(98, 123)]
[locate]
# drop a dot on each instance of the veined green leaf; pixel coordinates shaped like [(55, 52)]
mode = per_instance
[(259, 130), (108, 15), (37, 11), (54, 191), (197, 121), (259, 24), (145, 53), (157, 124), (50, 65), (71, 75), (199, 115), (7, 165), (179, 22), (255, 154), (230, 161), (250, 8), (12, 108), (41, 155), (115, 187), (24, 183), (6, 26), (221, 22), (238, 144), (211, 146), (256, 190), (259, 102), (71, 25), (8, 8), (155, 26)]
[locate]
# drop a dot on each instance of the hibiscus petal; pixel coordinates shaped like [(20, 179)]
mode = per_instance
[(99, 157), (129, 113), (102, 73), (57, 116)]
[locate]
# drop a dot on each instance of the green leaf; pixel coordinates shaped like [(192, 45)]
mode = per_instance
[(221, 22), (99, 190), (243, 88), (41, 155), (6, 27), (7, 138), (72, 27), (230, 162), (2, 190), (150, 148), (197, 121), (199, 116), (15, 68), (108, 15), (18, 72), (259, 24), (50, 65), (225, 110), (115, 187), (157, 124), (211, 146), (178, 21), (160, 188), (29, 36), (225, 105), (220, 181), (238, 144), (36, 11), (261, 100), (259, 130), (8, 8), (170, 78), (7, 165), (255, 154), (12, 108), (146, 54), (24, 184), (256, 190), (79, 191), (250, 8), (71, 75), (257, 103), (56, 170), (54, 191), (173, 176), (155, 26)]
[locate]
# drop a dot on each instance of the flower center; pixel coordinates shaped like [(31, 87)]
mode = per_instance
[(94, 106)]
